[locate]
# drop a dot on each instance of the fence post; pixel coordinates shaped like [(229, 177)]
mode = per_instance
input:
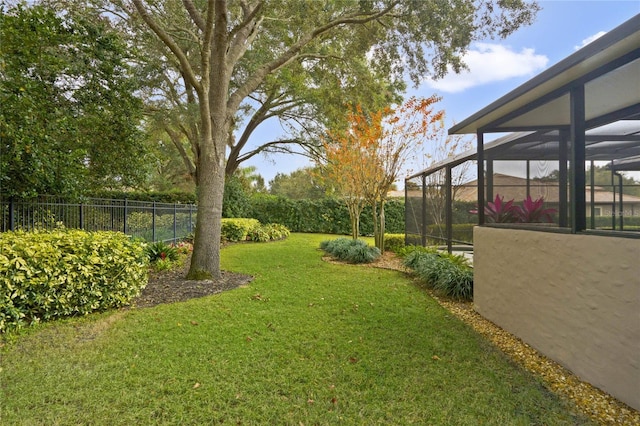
[(175, 219), (81, 216), (190, 218), (12, 218), (153, 223), (113, 219), (126, 204)]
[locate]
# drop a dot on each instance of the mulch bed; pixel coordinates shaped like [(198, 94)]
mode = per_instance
[(171, 286)]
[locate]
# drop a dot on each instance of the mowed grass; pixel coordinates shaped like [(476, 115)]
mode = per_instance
[(307, 342)]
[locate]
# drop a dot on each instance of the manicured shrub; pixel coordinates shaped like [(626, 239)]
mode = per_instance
[(276, 231), (235, 202), (259, 234), (238, 229), (51, 274), (448, 274), (393, 242), (350, 250), (242, 229)]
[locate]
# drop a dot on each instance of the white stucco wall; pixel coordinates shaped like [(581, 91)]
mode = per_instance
[(575, 298)]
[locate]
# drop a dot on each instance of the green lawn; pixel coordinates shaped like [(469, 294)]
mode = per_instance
[(306, 343)]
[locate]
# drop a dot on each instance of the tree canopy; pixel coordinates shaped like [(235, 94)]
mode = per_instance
[(300, 184)]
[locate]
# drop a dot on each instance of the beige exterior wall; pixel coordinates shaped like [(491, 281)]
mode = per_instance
[(575, 298)]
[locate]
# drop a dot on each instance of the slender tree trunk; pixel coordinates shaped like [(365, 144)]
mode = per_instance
[(354, 214), (376, 231), (382, 227)]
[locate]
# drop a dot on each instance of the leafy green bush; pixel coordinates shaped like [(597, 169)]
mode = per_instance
[(243, 229), (259, 234), (235, 202), (393, 242), (350, 250), (238, 229), (269, 232), (446, 273), (50, 274)]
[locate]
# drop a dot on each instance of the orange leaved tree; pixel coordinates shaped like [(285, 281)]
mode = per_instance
[(364, 161), (349, 164)]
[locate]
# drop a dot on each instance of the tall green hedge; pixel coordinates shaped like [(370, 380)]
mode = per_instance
[(328, 216), (51, 274), (170, 197)]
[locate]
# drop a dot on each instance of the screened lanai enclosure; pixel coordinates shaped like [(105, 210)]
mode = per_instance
[(442, 201), (564, 279)]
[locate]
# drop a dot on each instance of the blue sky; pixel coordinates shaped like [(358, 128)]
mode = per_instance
[(497, 66)]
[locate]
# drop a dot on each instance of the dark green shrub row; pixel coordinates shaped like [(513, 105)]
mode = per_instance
[(604, 222), (51, 274), (350, 250), (436, 235), (243, 229), (171, 197), (328, 216), (447, 274)]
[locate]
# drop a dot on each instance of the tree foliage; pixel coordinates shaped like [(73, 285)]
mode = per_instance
[(300, 184), (69, 119)]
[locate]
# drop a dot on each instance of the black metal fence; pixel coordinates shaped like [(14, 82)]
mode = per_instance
[(150, 221)]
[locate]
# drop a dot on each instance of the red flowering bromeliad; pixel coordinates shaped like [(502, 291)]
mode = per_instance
[(531, 211)]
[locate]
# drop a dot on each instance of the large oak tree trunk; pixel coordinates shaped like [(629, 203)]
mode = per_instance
[(205, 261)]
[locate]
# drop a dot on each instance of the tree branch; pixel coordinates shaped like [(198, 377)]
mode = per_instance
[(170, 43), (292, 53), (194, 14)]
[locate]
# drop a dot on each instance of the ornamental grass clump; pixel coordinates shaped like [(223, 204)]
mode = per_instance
[(350, 250), (447, 274)]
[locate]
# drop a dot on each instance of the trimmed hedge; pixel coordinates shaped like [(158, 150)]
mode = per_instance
[(393, 242), (171, 197), (326, 216), (243, 229), (50, 274)]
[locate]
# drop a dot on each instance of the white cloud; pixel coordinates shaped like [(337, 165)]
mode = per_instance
[(590, 39), (488, 63)]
